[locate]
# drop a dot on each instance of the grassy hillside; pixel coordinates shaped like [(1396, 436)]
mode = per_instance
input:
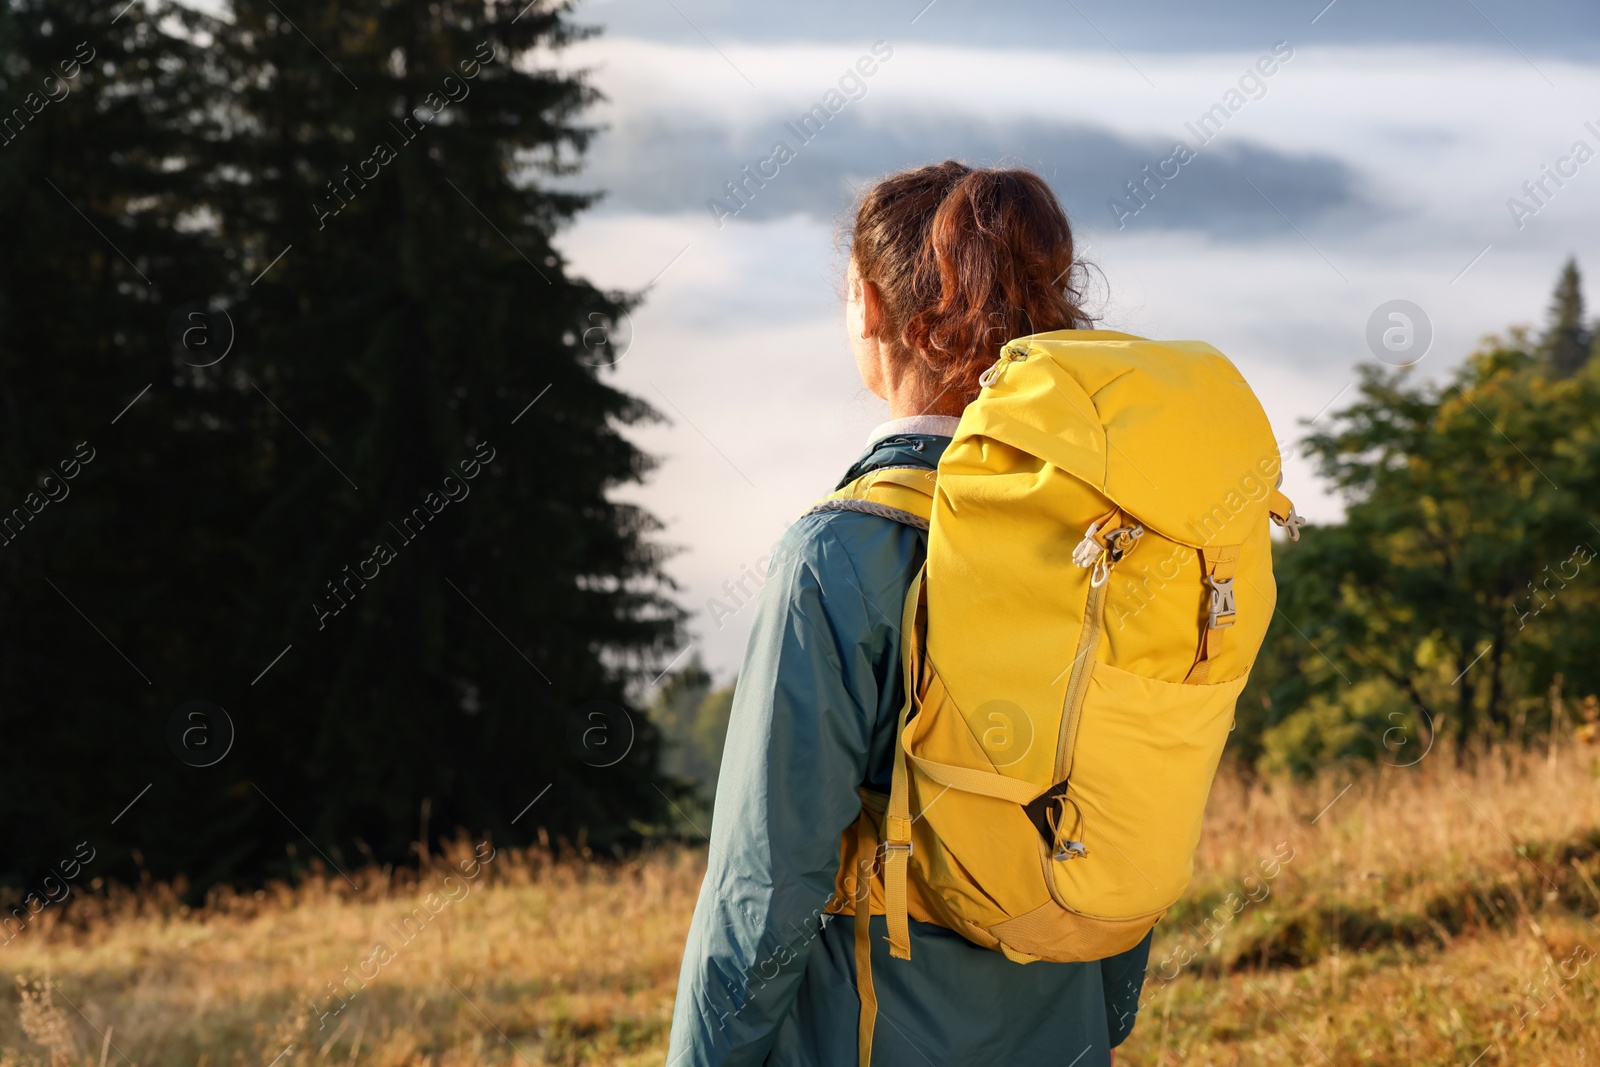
[(1410, 915)]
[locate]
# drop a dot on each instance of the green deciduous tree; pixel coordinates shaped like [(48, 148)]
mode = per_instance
[(692, 713), (1461, 576)]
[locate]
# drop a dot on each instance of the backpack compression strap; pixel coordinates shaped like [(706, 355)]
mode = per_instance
[(1217, 565), (866, 857)]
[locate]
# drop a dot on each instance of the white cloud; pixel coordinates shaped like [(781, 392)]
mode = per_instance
[(742, 333)]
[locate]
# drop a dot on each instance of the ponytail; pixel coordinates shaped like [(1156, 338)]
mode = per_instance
[(965, 260)]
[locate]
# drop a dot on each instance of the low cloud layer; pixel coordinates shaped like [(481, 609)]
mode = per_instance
[(656, 166), (1354, 178)]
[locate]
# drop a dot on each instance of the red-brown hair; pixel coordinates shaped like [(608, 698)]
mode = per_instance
[(965, 260)]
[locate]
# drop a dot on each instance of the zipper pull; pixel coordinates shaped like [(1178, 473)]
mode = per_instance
[(1091, 552)]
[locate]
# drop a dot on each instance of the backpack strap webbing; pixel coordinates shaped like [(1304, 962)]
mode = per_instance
[(897, 820), (866, 858)]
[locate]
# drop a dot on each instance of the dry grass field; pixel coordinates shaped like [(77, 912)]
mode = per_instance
[(1419, 915)]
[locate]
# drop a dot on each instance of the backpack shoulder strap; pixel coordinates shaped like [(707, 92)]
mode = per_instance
[(901, 494)]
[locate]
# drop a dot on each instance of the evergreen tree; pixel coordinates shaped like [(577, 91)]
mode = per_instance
[(105, 459), (1567, 342), (437, 443), (377, 531)]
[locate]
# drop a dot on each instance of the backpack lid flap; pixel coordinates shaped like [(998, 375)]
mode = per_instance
[(1167, 430)]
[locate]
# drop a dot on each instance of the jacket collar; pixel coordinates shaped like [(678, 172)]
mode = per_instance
[(920, 425), (898, 450)]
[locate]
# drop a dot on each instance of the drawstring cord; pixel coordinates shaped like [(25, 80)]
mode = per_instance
[(1066, 848), (1008, 354)]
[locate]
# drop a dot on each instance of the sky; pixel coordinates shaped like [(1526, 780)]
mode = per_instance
[(1359, 153), (1375, 163)]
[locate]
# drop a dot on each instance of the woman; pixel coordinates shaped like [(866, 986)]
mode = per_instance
[(947, 264)]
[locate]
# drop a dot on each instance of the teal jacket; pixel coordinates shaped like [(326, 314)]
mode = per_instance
[(767, 977)]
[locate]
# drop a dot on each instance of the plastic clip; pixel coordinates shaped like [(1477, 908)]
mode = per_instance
[(1222, 605), (1291, 523), (1089, 550)]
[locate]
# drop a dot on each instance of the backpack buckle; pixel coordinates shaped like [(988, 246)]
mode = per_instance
[(1222, 605), (889, 846), (1291, 523)]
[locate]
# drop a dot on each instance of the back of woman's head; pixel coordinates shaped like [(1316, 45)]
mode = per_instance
[(964, 260)]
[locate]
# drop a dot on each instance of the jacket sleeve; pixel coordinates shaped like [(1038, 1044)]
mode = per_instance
[(797, 748), (1122, 978)]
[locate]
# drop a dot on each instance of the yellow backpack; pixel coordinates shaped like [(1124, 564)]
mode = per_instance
[(1098, 581)]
